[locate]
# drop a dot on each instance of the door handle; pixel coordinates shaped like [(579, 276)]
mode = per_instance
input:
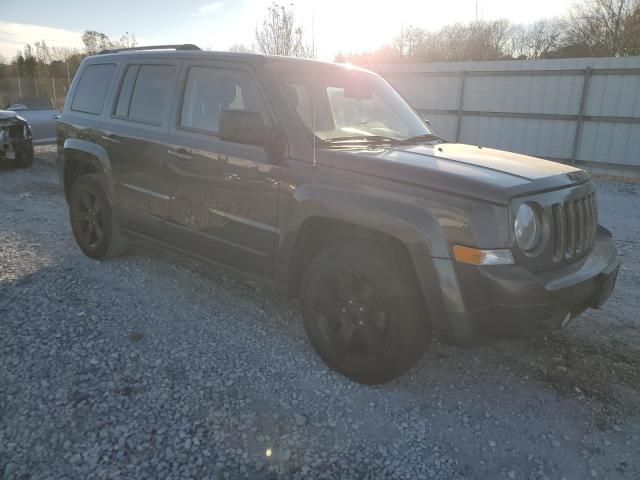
[(180, 153)]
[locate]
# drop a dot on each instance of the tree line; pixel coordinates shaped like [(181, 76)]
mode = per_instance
[(591, 28), (35, 69), (40, 60)]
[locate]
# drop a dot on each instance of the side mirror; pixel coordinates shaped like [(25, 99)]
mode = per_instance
[(16, 107), (426, 120), (240, 126)]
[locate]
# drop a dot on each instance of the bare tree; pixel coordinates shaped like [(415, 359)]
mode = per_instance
[(480, 40), (596, 27), (631, 38), (127, 40), (545, 36), (540, 39), (279, 34), (241, 48), (410, 41)]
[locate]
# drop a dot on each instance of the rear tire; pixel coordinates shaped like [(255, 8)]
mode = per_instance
[(363, 313), (94, 222)]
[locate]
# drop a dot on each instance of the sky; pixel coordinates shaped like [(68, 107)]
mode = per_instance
[(339, 25)]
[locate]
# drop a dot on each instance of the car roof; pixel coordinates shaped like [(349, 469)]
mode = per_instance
[(251, 58)]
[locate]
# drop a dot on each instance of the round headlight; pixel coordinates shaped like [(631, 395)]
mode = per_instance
[(527, 228)]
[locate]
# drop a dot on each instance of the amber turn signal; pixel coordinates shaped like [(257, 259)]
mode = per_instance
[(476, 256)]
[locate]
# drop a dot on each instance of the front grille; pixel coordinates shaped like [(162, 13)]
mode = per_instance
[(573, 227)]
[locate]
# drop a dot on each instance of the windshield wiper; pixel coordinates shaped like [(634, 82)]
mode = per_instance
[(427, 137)]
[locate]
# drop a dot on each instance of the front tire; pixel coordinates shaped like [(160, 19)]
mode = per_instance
[(363, 313), (24, 157), (93, 220)]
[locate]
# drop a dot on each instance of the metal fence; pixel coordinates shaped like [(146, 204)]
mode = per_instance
[(583, 111), (13, 88)]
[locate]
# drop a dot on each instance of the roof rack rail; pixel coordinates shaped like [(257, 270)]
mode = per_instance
[(184, 46)]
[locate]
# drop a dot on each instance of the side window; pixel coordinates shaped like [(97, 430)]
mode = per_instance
[(92, 88), (144, 93), (124, 97), (209, 91)]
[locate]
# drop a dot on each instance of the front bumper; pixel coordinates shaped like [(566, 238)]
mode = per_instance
[(15, 140), (509, 300)]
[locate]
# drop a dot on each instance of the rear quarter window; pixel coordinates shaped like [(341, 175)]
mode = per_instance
[(93, 87)]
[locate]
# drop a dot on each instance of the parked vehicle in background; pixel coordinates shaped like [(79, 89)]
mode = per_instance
[(16, 147), (41, 115), (320, 179)]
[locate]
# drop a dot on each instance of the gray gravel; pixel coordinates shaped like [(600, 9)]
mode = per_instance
[(154, 366)]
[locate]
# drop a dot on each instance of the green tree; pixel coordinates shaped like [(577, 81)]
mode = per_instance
[(94, 42)]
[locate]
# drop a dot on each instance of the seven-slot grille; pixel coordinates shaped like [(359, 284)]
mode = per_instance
[(574, 225)]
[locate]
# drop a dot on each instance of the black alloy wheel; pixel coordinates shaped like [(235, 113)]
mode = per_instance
[(90, 218), (352, 315), (363, 313), (93, 220)]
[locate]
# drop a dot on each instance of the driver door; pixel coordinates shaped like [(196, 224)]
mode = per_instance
[(224, 194)]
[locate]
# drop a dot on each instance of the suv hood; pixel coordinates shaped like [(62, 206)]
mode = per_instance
[(484, 173)]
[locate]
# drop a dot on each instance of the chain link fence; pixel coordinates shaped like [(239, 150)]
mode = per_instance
[(14, 88)]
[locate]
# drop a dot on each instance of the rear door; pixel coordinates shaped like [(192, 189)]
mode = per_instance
[(133, 137), (225, 194)]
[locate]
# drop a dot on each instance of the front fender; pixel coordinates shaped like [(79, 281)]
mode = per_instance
[(413, 225)]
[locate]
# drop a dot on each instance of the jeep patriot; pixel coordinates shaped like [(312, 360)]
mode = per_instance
[(321, 180)]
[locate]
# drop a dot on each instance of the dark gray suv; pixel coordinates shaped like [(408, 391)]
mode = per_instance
[(321, 180)]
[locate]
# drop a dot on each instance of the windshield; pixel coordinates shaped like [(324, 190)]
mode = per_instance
[(350, 104)]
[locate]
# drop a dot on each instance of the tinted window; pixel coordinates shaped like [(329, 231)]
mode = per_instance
[(151, 93), (92, 89), (209, 91), (124, 97)]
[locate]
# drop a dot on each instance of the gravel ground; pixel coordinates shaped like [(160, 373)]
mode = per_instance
[(154, 366)]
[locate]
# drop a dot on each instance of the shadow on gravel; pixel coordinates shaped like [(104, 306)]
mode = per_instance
[(604, 373), (600, 372)]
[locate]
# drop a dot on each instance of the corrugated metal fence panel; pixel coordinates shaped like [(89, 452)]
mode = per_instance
[(535, 94), (614, 95), (613, 143), (532, 106), (542, 138), (429, 92), (445, 125)]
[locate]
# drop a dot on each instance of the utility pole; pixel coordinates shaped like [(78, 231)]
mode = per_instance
[(476, 10)]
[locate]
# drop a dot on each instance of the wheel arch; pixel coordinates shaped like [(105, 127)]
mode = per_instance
[(318, 232), (81, 158)]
